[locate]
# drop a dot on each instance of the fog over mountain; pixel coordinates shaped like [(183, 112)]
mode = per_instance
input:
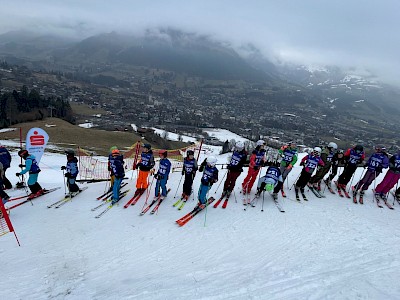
[(355, 34)]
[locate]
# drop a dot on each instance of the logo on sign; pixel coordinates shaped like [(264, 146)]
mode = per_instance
[(36, 139)]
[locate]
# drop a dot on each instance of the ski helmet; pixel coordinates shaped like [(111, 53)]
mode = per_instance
[(112, 148), (23, 153), (358, 148), (163, 152), (317, 150), (260, 143), (70, 152), (292, 144), (147, 146), (115, 152), (189, 152), (269, 187), (212, 160), (332, 145), (239, 146)]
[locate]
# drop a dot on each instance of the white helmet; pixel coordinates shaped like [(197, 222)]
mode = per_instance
[(260, 142), (239, 146), (332, 145), (317, 150), (212, 160)]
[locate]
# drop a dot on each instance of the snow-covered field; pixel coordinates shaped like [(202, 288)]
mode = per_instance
[(324, 249)]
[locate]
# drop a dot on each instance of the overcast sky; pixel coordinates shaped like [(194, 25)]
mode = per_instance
[(360, 33)]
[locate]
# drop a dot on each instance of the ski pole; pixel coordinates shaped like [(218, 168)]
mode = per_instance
[(65, 188), (234, 195), (221, 181), (362, 175), (205, 215), (394, 194), (178, 186), (351, 181), (148, 193), (295, 182), (262, 206)]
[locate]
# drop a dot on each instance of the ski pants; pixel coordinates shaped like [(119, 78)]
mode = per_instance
[(142, 182), (7, 184), (348, 172), (388, 182), (250, 179), (320, 173), (3, 194), (333, 173), (161, 183), (33, 185), (116, 187), (72, 186), (230, 181), (203, 191), (366, 181), (187, 184), (303, 179)]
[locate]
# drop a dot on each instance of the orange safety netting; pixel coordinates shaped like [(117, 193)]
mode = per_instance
[(94, 167)]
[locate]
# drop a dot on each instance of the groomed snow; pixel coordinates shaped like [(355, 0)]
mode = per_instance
[(223, 134), (323, 249)]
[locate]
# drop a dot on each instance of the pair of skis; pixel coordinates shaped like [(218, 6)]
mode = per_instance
[(296, 190), (180, 203), (157, 200), (121, 195), (66, 199), (109, 192), (342, 190), (30, 198), (316, 192), (135, 198), (224, 205), (198, 208), (379, 198)]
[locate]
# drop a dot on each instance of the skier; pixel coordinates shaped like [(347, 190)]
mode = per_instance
[(5, 160), (117, 169), (326, 156), (337, 159), (3, 195), (189, 170), (235, 167), (72, 171), (271, 181), (352, 158), (145, 165), (257, 160), (32, 167), (392, 176), (289, 158), (162, 175), (110, 156), (310, 163), (209, 177)]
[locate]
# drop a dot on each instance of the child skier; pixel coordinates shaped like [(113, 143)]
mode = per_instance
[(72, 171), (32, 167), (257, 160), (310, 163), (337, 160), (189, 171), (5, 160), (235, 168), (289, 158), (210, 176), (162, 175), (117, 168), (145, 166), (110, 156), (391, 178), (271, 181), (352, 158), (326, 156)]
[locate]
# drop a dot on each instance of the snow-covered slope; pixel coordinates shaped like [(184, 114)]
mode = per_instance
[(324, 249)]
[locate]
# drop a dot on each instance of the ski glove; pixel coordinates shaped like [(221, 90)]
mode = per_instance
[(18, 174), (289, 166), (63, 167), (68, 175), (183, 172)]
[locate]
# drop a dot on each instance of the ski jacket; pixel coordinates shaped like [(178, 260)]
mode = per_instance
[(327, 156), (257, 158), (31, 165), (337, 161), (272, 176), (237, 161), (117, 166), (210, 175), (394, 163), (164, 168), (1, 173), (288, 154), (311, 162), (190, 166), (72, 167), (120, 157), (5, 157), (377, 162), (354, 158), (146, 161)]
